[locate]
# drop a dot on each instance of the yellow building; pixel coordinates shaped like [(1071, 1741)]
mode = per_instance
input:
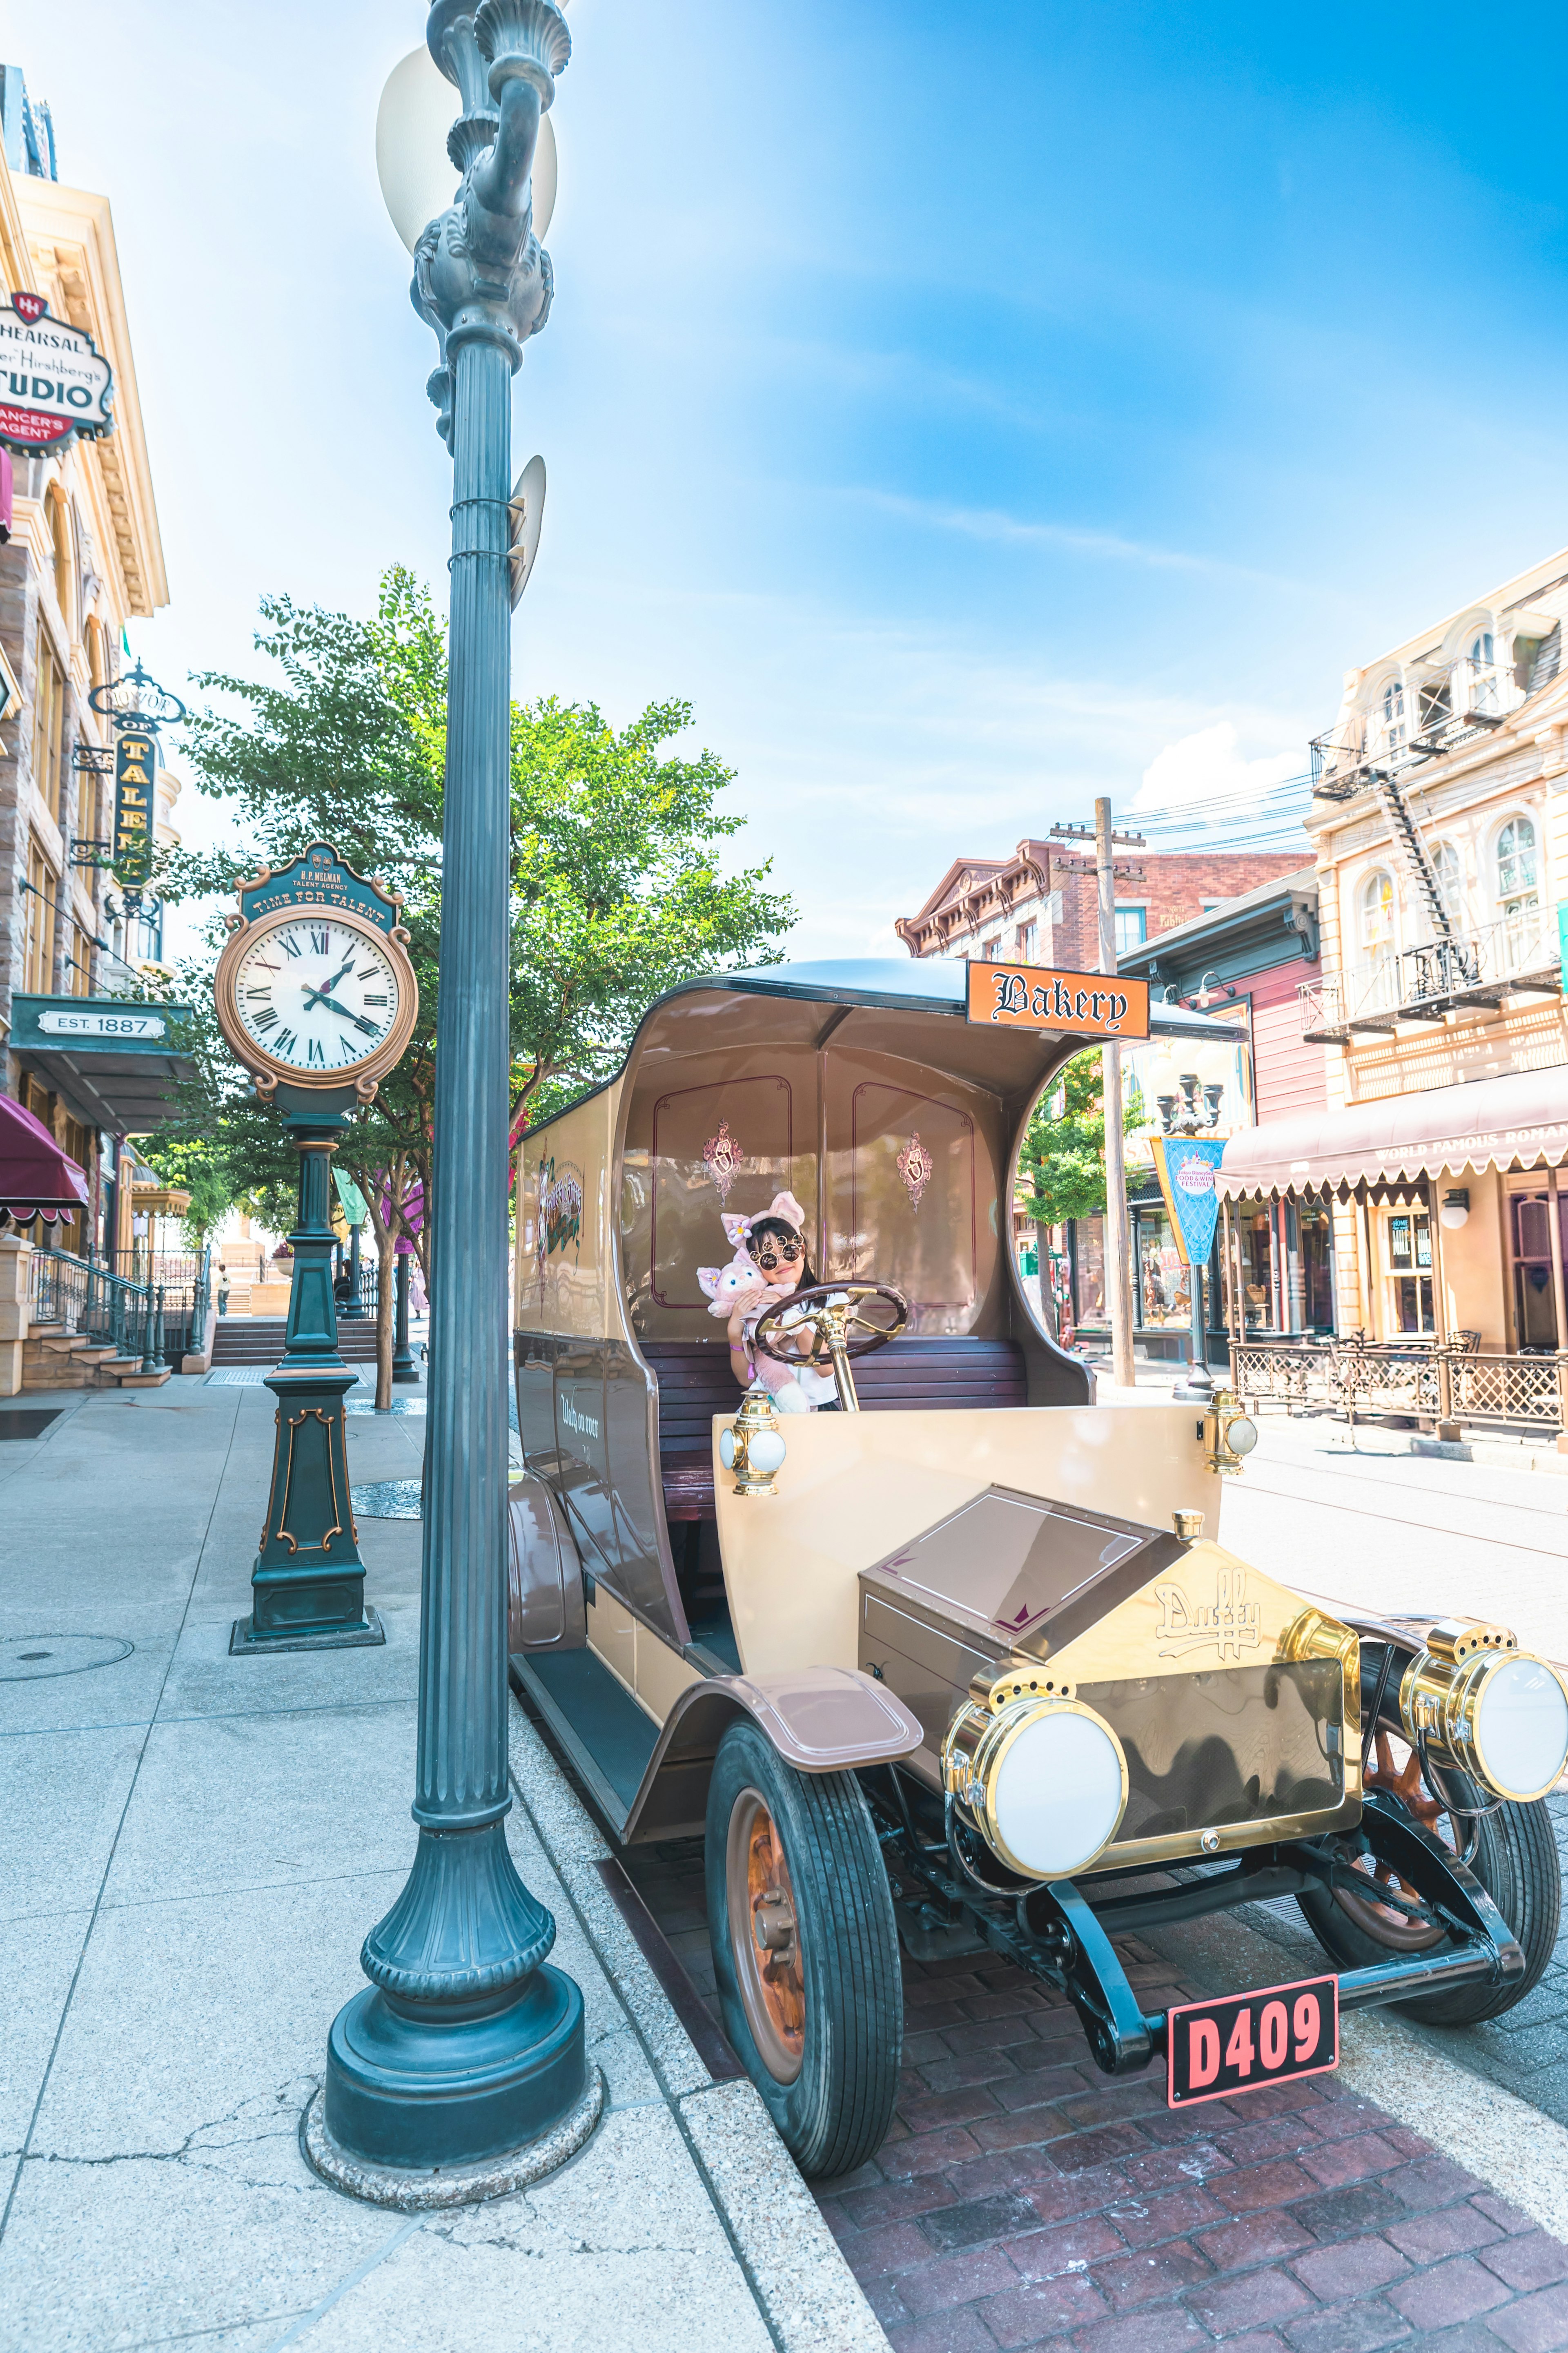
[(83, 556), (1440, 824)]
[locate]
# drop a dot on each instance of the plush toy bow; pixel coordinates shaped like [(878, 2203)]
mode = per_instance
[(782, 1205)]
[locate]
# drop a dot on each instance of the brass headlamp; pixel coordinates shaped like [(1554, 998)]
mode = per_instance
[(1229, 1432), (1041, 1776), (1473, 1699), (753, 1447)]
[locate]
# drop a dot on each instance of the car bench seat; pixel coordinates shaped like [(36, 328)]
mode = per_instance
[(695, 1382)]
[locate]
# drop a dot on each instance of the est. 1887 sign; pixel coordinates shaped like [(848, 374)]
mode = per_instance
[(55, 386)]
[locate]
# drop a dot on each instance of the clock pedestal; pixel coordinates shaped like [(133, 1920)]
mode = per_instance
[(307, 1584)]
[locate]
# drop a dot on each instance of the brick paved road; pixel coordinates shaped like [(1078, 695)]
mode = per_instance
[(1021, 2198)]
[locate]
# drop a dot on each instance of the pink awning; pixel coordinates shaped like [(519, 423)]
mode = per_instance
[(1488, 1123), (36, 1178)]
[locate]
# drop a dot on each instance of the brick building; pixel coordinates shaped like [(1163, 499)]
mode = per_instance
[(1040, 905)]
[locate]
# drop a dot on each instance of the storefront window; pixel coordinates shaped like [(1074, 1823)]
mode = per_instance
[(1255, 1248), (1164, 1292), (1089, 1270), (1317, 1230), (1536, 1310), (1409, 1271)]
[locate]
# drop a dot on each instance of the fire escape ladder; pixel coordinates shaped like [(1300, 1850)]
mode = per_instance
[(1413, 849)]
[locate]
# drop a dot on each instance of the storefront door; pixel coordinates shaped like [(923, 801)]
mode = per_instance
[(1535, 1309), (1408, 1282)]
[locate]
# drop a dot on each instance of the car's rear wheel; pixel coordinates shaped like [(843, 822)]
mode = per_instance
[(804, 1950), (1515, 1860)]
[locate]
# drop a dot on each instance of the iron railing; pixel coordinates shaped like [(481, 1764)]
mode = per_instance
[(1435, 710), (1427, 1383), (90, 1302), (1480, 966)]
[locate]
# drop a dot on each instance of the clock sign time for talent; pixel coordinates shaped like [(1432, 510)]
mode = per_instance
[(315, 988)]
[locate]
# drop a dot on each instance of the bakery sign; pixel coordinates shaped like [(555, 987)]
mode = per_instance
[(1036, 996), (55, 387)]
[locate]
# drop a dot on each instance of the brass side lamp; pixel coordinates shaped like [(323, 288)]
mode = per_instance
[(753, 1447)]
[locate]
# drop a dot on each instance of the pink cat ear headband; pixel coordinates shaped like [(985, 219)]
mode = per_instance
[(782, 1205)]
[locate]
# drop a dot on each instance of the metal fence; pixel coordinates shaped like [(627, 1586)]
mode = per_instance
[(1429, 1384), (92, 1303)]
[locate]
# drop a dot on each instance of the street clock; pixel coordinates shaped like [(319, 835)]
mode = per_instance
[(314, 987)]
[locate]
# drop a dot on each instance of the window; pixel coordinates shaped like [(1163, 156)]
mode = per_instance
[(48, 725), (1481, 650), (1026, 940), (1483, 694), (1446, 865), (1131, 928), (1516, 881), (1394, 713), (1377, 913), (38, 945), (65, 553), (1409, 1240)]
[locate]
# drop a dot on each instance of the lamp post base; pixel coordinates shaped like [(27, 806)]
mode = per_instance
[(420, 2192), (474, 2090)]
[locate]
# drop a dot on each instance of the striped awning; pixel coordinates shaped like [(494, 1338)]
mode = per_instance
[(1487, 1123)]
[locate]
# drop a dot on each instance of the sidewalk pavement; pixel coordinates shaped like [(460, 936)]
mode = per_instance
[(194, 1847)]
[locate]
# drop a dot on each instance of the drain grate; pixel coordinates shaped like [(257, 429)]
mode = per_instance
[(30, 1658)]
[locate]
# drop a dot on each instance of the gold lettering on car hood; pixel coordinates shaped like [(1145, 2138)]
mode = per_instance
[(1229, 1624)]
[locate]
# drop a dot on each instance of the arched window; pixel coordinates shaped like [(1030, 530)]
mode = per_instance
[(97, 663), (1483, 686), (1394, 713), (1481, 650), (1516, 872), (65, 557), (1446, 865), (1377, 913)]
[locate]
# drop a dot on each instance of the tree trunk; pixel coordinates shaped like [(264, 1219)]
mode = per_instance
[(386, 1258)]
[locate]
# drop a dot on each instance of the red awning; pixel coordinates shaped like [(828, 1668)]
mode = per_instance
[(36, 1178), (1488, 1123)]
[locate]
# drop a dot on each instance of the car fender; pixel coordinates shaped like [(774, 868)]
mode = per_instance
[(820, 1720)]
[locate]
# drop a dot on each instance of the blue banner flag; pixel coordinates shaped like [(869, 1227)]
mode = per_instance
[(1185, 1167)]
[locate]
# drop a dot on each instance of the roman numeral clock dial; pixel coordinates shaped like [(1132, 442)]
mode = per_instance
[(316, 999)]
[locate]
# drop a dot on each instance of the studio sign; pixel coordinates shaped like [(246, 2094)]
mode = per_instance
[(55, 385)]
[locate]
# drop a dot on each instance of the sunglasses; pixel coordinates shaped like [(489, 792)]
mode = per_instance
[(769, 1249)]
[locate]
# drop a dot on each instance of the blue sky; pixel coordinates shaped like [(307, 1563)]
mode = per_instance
[(964, 407)]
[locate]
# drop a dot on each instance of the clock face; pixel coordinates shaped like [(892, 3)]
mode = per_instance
[(315, 994)]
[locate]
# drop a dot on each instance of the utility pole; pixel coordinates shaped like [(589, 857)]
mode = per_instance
[(1118, 1225)]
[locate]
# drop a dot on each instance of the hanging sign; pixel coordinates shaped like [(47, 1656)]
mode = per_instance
[(135, 805), (56, 386), (1185, 1166), (1562, 940), (1036, 996)]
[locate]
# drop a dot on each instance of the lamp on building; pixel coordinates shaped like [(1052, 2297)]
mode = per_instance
[(466, 2055), (1456, 1209)]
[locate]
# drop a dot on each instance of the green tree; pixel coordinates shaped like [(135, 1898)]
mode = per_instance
[(1061, 1167), (196, 1167), (616, 891)]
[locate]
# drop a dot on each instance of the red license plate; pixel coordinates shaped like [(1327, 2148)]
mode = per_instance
[(1214, 2050)]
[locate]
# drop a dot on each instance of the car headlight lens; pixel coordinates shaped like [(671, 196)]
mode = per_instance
[(1241, 1435), (1520, 1726), (727, 1449), (1498, 1713), (765, 1453), (1045, 1781)]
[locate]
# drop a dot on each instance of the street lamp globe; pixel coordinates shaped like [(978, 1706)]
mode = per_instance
[(416, 174)]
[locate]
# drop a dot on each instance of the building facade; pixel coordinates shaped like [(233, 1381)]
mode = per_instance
[(1440, 826), (81, 557), (1041, 904)]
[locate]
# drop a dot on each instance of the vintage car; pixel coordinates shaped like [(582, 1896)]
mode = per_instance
[(963, 1655)]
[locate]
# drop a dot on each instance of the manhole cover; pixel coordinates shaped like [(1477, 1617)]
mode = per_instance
[(388, 1499), (28, 1657)]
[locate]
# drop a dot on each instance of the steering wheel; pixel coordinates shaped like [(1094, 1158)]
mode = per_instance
[(835, 1316)]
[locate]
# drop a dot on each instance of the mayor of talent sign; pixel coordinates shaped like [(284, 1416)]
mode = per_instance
[(56, 386)]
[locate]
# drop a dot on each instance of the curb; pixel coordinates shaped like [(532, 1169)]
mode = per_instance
[(808, 2295)]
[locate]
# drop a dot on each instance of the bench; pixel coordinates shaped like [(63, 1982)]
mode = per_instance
[(695, 1382)]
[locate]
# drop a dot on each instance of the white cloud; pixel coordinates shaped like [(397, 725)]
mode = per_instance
[(1206, 766)]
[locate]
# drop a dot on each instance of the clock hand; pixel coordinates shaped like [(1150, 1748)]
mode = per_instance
[(313, 996), (331, 1005)]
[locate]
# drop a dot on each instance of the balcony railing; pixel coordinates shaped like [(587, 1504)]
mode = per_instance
[(1519, 953), (1437, 712)]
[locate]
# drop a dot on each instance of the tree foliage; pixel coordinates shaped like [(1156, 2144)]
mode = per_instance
[(1062, 1163), (616, 890)]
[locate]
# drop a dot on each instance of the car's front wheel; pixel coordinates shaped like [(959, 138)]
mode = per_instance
[(1515, 1860), (804, 1950)]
